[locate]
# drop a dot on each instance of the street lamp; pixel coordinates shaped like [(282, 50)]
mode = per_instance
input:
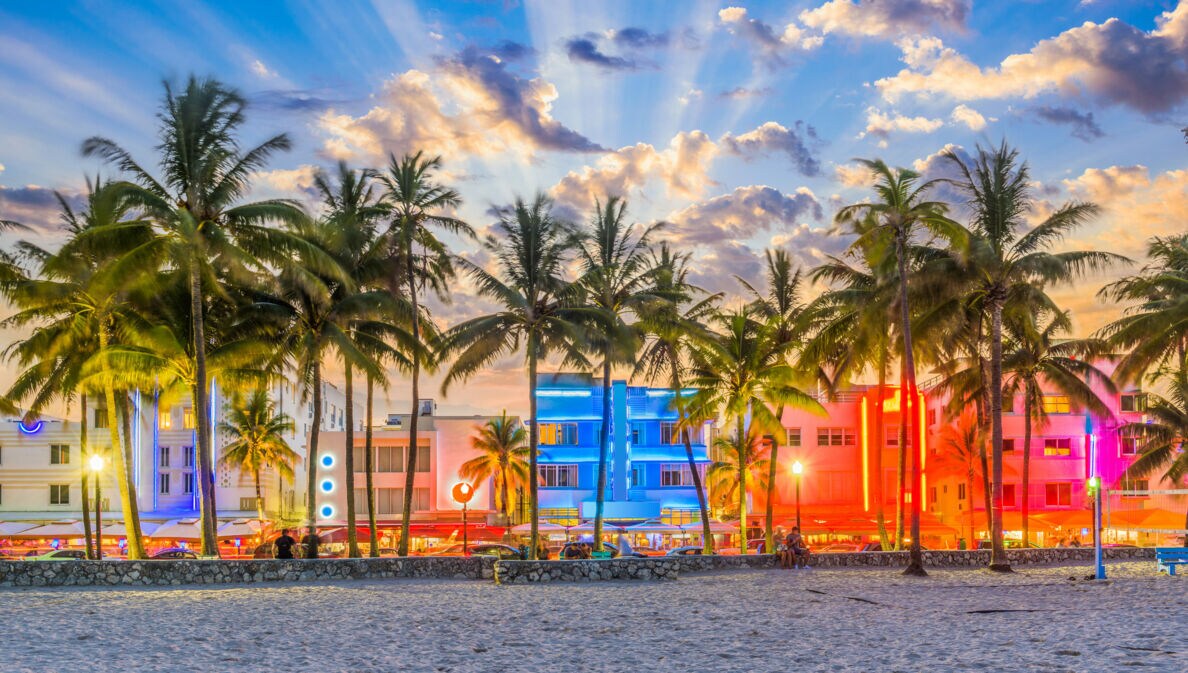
[(463, 492), (797, 470), (96, 465)]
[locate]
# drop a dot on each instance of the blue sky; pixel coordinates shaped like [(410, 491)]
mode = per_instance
[(736, 123)]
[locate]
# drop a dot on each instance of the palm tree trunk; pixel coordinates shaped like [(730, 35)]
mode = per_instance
[(123, 478), (311, 476), (707, 538), (349, 461), (206, 483), (603, 448), (998, 559), (126, 421), (369, 468), (915, 559), (1026, 509), (876, 462), (969, 504), (769, 515), (533, 444), (982, 458), (410, 465), (742, 487), (86, 496), (259, 494)]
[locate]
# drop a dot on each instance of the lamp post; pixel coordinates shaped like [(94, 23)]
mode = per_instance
[(96, 465), (797, 470), (463, 492)]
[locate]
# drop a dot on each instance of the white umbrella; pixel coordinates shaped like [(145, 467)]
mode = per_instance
[(588, 527), (57, 529), (120, 530), (239, 528), (8, 528), (543, 527), (715, 527), (178, 529), (654, 526)]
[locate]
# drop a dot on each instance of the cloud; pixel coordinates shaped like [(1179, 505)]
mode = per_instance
[(1083, 124), (587, 48), (36, 207), (886, 18), (584, 50), (742, 92), (881, 125), (963, 114), (509, 50), (771, 46), (742, 214), (936, 166), (297, 100), (853, 175), (262, 70), (690, 96), (1, 168), (638, 38), (1113, 62), (797, 143), (470, 104)]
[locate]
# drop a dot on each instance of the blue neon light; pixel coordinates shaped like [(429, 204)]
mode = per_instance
[(327, 485), (36, 428), (327, 511), (327, 460)]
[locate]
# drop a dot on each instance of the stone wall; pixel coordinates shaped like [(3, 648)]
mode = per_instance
[(174, 573), (587, 570), (978, 557)]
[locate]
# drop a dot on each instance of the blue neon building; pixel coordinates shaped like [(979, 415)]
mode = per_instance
[(648, 474)]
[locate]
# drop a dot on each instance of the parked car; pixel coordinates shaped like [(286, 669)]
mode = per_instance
[(501, 551), (613, 549), (174, 554), (684, 551), (845, 548), (60, 555)]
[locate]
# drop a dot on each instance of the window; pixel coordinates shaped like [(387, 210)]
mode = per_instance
[(1056, 404), (932, 495), (422, 459), (1134, 402), (188, 418), (164, 458), (793, 436), (1008, 404), (558, 433), (163, 484), (59, 454), (1135, 485), (835, 437), (389, 459), (188, 456), (668, 433), (391, 500), (961, 491), (59, 494), (1128, 442), (1057, 446), (559, 476), (638, 478), (1008, 445), (891, 435), (188, 483), (101, 418), (165, 418), (676, 474), (931, 417), (1008, 495), (1058, 494), (247, 504), (637, 433), (1, 494)]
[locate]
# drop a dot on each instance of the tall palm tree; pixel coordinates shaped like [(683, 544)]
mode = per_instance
[(617, 280), (1035, 359), (742, 372), (1161, 447), (1010, 263), (198, 217), (419, 205), (502, 443), (257, 434), (743, 460), (672, 325), (961, 444), (901, 209), (1154, 332), (540, 308)]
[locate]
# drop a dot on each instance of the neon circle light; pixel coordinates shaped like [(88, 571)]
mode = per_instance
[(30, 430), (327, 460), (326, 511), (327, 485)]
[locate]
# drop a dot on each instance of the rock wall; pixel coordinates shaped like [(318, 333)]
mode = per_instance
[(175, 573), (978, 557), (587, 570)]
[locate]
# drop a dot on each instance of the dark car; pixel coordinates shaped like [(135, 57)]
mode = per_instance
[(501, 551), (613, 549), (174, 554), (684, 551)]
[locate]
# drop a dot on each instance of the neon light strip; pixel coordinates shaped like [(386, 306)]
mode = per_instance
[(865, 461), (30, 430), (923, 452), (136, 439), (564, 393)]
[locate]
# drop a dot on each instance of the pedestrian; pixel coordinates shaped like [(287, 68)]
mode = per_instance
[(961, 543), (1076, 542), (542, 551), (311, 542), (284, 545), (1060, 544)]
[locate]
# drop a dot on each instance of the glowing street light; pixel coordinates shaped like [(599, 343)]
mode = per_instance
[(462, 493), (797, 470), (96, 464)]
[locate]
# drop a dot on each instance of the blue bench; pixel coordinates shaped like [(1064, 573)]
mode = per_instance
[(1170, 557)]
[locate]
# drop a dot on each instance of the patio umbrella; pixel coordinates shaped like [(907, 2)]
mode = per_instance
[(8, 528), (715, 527), (588, 527), (654, 526), (1162, 519), (1071, 518), (239, 528), (117, 529), (178, 529), (543, 527), (57, 529)]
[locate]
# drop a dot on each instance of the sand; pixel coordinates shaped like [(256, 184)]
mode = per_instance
[(787, 621)]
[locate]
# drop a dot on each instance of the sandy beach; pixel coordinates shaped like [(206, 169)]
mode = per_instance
[(1037, 619)]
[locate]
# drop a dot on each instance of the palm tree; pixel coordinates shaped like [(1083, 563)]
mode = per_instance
[(742, 373), (900, 210), (1010, 267), (743, 460), (418, 206), (257, 434), (671, 327), (540, 308), (1161, 447), (197, 217), (962, 443), (503, 445), (1154, 332), (1034, 355), (616, 278)]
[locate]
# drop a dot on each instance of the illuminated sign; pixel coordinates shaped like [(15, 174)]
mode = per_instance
[(31, 429), (327, 486), (326, 511), (327, 460)]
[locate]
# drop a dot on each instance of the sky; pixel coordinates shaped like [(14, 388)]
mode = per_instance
[(737, 125)]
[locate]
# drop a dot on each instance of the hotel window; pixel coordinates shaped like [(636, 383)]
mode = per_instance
[(1058, 494), (165, 418), (892, 436), (559, 476), (360, 459), (1057, 446), (188, 456), (188, 418), (675, 474), (391, 500), (164, 457), (422, 459), (1134, 402), (931, 417), (163, 483), (1008, 495), (559, 433), (793, 436), (835, 437), (389, 459), (247, 504), (1057, 404), (961, 491), (1008, 404), (668, 433), (1008, 445), (101, 418), (932, 495), (59, 454), (637, 433), (1128, 442), (638, 478), (188, 483), (1135, 485), (680, 516), (59, 494)]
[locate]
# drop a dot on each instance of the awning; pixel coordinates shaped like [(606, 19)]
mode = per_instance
[(9, 528), (58, 529), (715, 527), (588, 527), (178, 529), (239, 528), (542, 527), (1071, 518), (1011, 520), (654, 526), (1150, 519)]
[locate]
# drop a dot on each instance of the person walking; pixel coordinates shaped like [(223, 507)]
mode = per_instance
[(311, 542), (283, 545)]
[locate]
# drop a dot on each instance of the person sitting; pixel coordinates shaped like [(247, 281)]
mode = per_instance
[(284, 545), (797, 552), (310, 543)]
